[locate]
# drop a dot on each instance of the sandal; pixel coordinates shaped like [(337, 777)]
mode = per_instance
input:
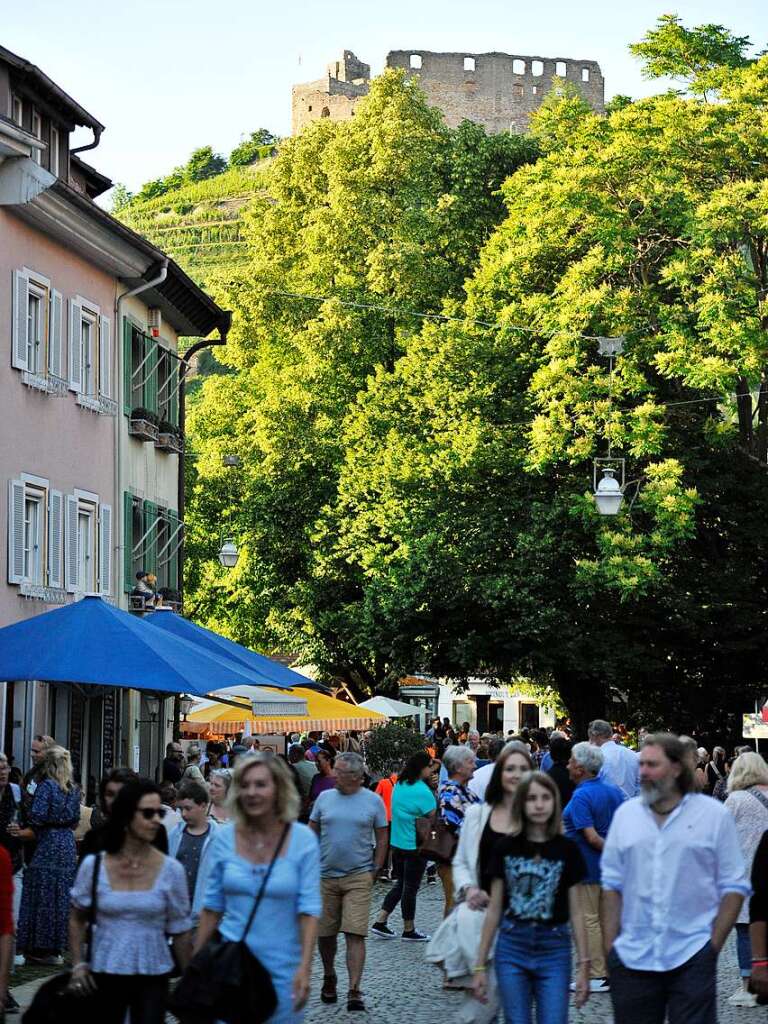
[(328, 991), (355, 1001)]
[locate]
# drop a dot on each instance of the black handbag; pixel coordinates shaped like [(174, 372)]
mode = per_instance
[(54, 1001), (224, 980)]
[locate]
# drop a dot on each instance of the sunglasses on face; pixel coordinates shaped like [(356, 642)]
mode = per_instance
[(150, 812)]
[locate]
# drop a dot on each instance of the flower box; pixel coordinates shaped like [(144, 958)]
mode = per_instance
[(168, 442), (142, 429)]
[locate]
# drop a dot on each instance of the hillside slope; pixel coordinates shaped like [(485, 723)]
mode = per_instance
[(200, 224)]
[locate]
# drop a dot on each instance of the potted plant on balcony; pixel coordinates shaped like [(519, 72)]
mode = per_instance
[(143, 424), (168, 437)]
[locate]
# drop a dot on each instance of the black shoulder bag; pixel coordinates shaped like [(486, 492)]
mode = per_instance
[(54, 1001), (224, 980)]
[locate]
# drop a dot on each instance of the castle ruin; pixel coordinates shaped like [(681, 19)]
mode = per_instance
[(497, 90)]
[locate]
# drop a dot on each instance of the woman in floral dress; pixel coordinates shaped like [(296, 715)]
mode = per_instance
[(53, 816)]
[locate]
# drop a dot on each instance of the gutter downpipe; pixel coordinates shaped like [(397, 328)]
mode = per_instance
[(117, 572)]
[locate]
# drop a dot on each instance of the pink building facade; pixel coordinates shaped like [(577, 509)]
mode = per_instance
[(90, 439)]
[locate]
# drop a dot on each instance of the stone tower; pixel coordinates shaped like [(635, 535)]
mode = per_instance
[(497, 90)]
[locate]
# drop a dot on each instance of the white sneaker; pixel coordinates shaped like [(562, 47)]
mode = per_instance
[(742, 998), (595, 985)]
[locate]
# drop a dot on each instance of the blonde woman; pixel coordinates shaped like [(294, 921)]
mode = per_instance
[(52, 818), (748, 803), (264, 806), (219, 782)]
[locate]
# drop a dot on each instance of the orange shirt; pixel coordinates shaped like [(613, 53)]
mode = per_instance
[(384, 790)]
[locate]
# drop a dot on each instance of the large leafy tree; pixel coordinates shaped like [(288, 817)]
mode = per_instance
[(362, 219)]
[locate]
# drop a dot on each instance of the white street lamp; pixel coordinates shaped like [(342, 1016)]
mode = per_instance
[(228, 554), (608, 493)]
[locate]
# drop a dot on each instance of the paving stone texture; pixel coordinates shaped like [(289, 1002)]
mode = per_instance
[(400, 988)]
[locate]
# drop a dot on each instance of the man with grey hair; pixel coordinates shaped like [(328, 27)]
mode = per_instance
[(620, 764), (586, 820), (350, 821)]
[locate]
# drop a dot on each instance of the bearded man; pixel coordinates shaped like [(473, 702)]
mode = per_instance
[(673, 881)]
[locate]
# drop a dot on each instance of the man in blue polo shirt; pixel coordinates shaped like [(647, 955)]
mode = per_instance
[(587, 818)]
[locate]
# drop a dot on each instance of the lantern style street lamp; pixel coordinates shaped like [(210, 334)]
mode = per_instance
[(228, 554), (608, 493)]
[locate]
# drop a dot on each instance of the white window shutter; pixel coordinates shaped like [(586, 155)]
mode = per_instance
[(55, 537), (71, 561), (105, 356), (20, 314), (75, 321), (105, 549), (56, 336), (15, 531)]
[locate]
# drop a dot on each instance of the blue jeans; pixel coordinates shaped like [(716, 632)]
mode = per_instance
[(533, 961), (744, 950)]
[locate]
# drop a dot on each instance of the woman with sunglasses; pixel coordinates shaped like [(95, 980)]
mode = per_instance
[(141, 897)]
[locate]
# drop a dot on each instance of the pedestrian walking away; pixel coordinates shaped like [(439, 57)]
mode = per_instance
[(141, 898), (586, 820), (533, 906), (673, 880), (282, 935), (620, 764), (351, 823), (411, 799)]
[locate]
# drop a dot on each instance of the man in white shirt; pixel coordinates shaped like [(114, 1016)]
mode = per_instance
[(673, 880), (620, 764)]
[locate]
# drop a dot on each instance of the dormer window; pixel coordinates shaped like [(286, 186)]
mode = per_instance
[(37, 131), (17, 110)]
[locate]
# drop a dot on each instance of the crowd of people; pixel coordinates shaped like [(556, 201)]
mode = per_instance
[(568, 869)]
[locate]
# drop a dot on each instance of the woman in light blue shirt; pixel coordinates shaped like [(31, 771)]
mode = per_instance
[(263, 801), (411, 799)]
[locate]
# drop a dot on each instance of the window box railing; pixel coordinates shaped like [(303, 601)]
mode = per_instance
[(89, 402), (169, 438), (143, 425), (39, 592)]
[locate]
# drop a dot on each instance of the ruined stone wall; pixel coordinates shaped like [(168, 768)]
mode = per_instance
[(327, 97), (498, 90)]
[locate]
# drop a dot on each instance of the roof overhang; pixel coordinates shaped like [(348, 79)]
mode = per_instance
[(74, 220), (32, 76)]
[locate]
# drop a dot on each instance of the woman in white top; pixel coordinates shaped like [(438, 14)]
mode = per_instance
[(141, 897), (748, 803)]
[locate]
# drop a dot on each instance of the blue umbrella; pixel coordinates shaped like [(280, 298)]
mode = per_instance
[(270, 673), (93, 642)]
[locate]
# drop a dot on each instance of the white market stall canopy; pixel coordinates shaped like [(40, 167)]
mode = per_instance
[(390, 707)]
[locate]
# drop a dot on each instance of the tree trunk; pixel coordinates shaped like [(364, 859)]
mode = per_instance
[(585, 697)]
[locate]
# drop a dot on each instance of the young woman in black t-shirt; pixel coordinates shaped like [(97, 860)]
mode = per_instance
[(532, 905)]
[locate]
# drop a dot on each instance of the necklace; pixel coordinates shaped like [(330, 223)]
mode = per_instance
[(133, 863)]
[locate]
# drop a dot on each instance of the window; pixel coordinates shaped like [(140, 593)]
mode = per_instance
[(37, 131), (561, 69), (517, 91), (167, 386), (17, 110), (537, 68), (88, 544), (534, 90), (53, 151), (518, 66), (37, 303), (469, 63), (585, 74), (90, 356), (36, 344), (415, 62), (152, 542), (325, 112), (141, 361), (34, 533)]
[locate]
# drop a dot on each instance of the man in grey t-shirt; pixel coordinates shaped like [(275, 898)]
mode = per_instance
[(352, 825)]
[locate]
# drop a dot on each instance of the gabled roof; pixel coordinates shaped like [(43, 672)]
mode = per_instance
[(36, 78)]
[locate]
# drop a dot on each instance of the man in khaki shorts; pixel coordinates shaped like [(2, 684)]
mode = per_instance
[(352, 825)]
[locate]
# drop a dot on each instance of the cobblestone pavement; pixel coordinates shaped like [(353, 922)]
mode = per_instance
[(400, 988)]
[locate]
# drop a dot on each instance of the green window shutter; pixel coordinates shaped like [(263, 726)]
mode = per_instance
[(173, 561), (128, 541), (127, 364), (150, 374), (173, 393), (150, 542)]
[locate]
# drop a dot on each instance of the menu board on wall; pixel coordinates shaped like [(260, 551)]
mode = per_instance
[(108, 732), (76, 731)]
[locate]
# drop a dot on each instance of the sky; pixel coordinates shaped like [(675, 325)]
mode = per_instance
[(167, 76)]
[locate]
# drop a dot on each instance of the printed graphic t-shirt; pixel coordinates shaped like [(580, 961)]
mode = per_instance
[(537, 877)]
